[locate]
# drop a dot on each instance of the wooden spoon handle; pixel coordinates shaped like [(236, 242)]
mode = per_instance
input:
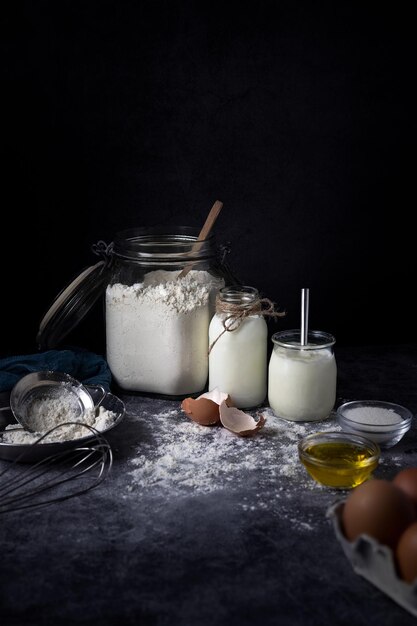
[(204, 233), (211, 218)]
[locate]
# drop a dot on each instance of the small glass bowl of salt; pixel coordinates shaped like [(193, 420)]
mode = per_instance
[(383, 422)]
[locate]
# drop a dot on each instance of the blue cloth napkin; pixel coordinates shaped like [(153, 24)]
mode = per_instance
[(87, 367)]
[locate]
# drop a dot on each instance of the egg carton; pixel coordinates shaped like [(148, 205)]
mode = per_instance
[(375, 562)]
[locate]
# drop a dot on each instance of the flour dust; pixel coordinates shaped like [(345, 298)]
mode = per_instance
[(181, 457)]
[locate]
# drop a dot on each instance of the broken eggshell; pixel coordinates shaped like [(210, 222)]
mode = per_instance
[(205, 409), (239, 422)]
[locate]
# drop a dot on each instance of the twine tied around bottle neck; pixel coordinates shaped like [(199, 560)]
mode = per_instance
[(235, 313)]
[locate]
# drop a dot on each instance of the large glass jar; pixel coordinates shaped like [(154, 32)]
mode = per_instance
[(302, 378), (158, 305)]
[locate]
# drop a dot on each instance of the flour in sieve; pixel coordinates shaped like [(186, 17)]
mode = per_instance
[(48, 413)]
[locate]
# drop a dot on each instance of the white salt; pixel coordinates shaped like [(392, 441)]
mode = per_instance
[(377, 416)]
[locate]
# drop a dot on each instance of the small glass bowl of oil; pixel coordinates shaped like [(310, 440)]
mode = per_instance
[(338, 459)]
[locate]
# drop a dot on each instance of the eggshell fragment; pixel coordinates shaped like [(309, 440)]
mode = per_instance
[(239, 422), (201, 410), (216, 395), (205, 409)]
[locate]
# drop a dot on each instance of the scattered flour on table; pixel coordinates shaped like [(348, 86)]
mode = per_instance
[(46, 413), (185, 457)]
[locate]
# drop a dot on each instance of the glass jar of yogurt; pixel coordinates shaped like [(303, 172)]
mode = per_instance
[(157, 317), (302, 378)]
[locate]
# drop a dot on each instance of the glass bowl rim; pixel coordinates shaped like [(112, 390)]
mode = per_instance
[(328, 437), (402, 426)]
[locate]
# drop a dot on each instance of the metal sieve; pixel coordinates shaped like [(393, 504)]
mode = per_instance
[(50, 386)]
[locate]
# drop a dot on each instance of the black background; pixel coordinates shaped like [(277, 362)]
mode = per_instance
[(299, 116)]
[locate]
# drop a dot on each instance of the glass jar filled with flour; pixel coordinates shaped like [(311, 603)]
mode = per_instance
[(158, 305), (302, 378), (238, 338)]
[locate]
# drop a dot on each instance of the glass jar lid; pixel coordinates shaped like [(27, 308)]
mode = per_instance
[(75, 300)]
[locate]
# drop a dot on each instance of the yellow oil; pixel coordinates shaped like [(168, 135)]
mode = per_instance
[(338, 464)]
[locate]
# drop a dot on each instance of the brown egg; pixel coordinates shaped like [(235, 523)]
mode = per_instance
[(406, 554), (407, 481), (379, 509)]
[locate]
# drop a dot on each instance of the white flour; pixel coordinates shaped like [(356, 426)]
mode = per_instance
[(46, 412), (50, 412), (174, 458), (157, 332), (185, 457)]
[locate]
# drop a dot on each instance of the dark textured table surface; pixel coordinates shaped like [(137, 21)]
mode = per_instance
[(196, 526)]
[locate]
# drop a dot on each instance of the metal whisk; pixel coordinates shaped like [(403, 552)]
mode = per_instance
[(57, 477)]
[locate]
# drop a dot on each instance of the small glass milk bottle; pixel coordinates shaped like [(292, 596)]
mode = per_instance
[(238, 338), (302, 377)]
